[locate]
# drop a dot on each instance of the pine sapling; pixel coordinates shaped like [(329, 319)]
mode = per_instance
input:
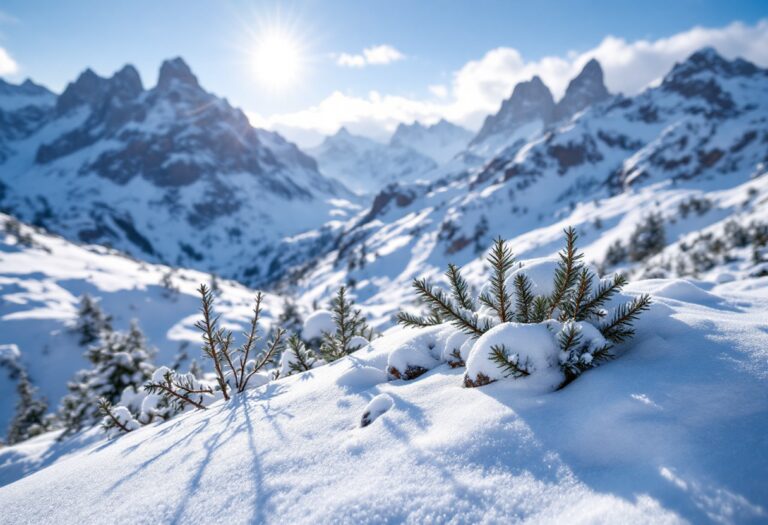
[(567, 271), (501, 260), (350, 324)]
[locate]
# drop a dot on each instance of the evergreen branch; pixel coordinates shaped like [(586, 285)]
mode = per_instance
[(272, 347), (620, 327), (572, 309), (501, 260), (443, 304), (106, 409), (210, 335), (566, 272), (570, 338), (604, 292), (540, 306), (168, 388), (250, 340), (524, 298), (459, 288), (304, 361), (416, 321), (510, 366)]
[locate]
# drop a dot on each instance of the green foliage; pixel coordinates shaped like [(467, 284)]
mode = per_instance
[(498, 300), (92, 322), (509, 364), (350, 324), (30, 417), (301, 358), (234, 367), (577, 296)]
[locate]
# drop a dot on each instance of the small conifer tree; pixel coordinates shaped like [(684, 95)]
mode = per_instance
[(30, 418), (575, 299), (119, 361), (648, 238), (351, 326), (92, 322)]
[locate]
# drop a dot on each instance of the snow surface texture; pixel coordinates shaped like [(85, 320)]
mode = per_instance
[(670, 432)]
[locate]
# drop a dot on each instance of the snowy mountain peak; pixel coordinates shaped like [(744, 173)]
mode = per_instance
[(175, 70), (708, 60), (530, 101), (440, 141), (587, 88)]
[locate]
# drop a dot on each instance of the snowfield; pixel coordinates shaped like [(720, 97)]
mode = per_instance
[(672, 431)]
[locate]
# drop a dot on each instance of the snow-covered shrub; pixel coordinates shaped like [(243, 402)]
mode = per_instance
[(547, 317), (350, 329), (297, 357), (316, 324), (648, 238), (234, 368), (418, 354), (92, 322), (30, 418), (119, 361)]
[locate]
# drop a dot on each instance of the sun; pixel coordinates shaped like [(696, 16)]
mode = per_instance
[(277, 58)]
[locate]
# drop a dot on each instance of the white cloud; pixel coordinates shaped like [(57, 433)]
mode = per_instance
[(479, 86), (8, 65), (376, 55), (439, 90)]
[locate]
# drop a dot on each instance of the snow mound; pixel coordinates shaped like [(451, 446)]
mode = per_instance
[(378, 406), (531, 346), (418, 354), (361, 377), (318, 323)]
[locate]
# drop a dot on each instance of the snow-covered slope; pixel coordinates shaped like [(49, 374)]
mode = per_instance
[(170, 174), (365, 165), (700, 135), (42, 279), (440, 141), (671, 432)]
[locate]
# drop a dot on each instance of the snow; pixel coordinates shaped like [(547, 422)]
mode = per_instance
[(378, 406), (318, 323), (531, 345), (669, 432)]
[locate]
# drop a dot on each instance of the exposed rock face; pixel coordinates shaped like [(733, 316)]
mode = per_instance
[(530, 101), (586, 89)]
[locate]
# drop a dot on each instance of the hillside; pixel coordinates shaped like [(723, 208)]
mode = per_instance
[(671, 432), (42, 281), (691, 150)]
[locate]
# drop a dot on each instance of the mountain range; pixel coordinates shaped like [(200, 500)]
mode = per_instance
[(169, 174)]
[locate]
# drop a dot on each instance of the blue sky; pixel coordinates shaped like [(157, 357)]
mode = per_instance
[(440, 41)]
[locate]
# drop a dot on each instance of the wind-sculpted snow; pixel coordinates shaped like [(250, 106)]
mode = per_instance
[(672, 431)]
